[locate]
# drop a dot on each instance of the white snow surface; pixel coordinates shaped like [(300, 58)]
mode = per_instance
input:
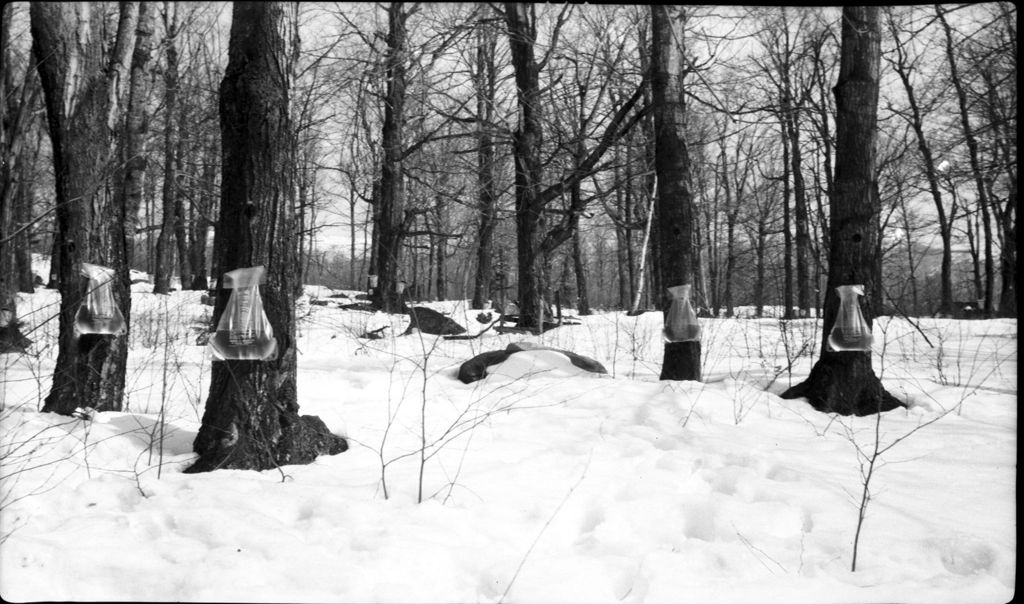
[(540, 483)]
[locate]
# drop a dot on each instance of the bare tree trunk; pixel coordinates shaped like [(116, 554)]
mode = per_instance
[(912, 267), (200, 222), (823, 133), (136, 128), (23, 203), (916, 119), (83, 87), (527, 145), (1005, 214), (760, 262), (13, 126), (787, 230), (800, 215), (731, 216), (353, 283), (11, 338), (389, 227), (181, 218), (582, 298), (485, 83), (622, 218), (975, 253), (844, 382), (981, 187), (54, 279), (25, 278), (164, 262), (252, 420), (440, 250), (672, 164), (645, 244)]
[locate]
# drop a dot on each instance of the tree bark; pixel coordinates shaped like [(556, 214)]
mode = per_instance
[(133, 148), (526, 150), (485, 83), (82, 87), (844, 382), (164, 244), (389, 225), (252, 420), (672, 166)]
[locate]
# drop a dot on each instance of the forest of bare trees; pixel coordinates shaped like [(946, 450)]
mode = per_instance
[(506, 152), (518, 156)]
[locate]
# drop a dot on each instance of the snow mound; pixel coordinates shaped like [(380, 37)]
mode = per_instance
[(538, 362)]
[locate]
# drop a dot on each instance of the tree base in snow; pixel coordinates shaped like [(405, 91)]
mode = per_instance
[(681, 362), (844, 385), (300, 442)]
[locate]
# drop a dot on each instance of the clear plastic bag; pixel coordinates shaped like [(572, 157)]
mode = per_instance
[(98, 313), (244, 331), (681, 321), (850, 331)]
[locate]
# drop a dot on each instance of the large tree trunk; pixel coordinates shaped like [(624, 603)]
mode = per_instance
[(389, 226), (252, 417), (485, 83), (134, 157), (164, 262), (83, 91), (672, 165), (844, 382), (526, 149)]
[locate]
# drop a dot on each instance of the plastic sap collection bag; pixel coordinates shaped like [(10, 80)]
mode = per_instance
[(98, 314), (850, 331), (244, 331), (681, 321)]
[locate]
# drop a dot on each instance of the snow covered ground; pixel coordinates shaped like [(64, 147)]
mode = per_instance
[(540, 483)]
